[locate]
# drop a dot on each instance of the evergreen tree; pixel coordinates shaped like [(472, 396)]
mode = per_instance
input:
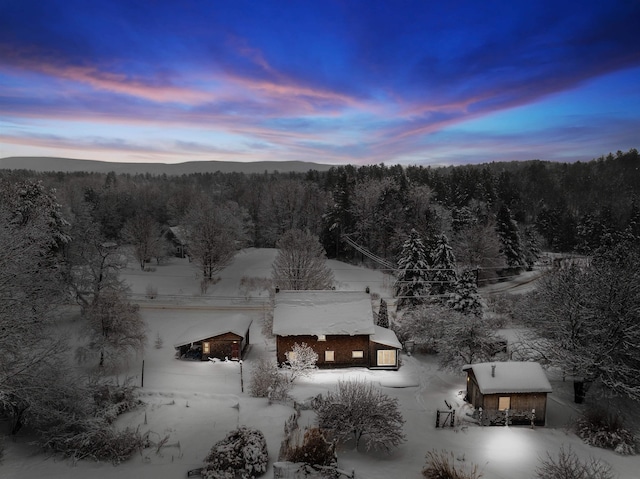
[(465, 297), (413, 268), (383, 315), (443, 263), (511, 244), (531, 247)]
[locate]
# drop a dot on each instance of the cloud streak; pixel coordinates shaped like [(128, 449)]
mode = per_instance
[(342, 82)]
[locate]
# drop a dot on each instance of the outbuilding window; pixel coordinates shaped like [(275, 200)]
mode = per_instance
[(329, 356), (504, 403), (357, 354), (206, 347)]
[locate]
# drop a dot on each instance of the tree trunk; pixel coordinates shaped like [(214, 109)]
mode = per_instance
[(580, 388)]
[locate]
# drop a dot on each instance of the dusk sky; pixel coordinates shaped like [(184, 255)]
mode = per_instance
[(359, 82)]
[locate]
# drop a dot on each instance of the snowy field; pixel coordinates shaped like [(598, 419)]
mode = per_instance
[(196, 403)]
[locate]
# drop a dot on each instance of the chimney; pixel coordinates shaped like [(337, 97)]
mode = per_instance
[(493, 370)]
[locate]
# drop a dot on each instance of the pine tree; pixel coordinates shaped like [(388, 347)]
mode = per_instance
[(383, 314), (413, 265), (465, 297), (511, 245), (443, 263)]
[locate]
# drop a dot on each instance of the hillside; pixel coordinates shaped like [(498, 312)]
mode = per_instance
[(68, 165)]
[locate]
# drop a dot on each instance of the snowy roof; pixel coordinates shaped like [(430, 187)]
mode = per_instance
[(510, 377), (179, 233), (236, 324), (322, 312), (385, 336)]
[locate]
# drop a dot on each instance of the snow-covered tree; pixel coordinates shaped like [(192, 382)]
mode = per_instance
[(301, 263), (425, 324), (511, 244), (383, 314), (478, 246), (468, 339), (301, 361), (359, 411), (586, 320), (144, 234), (215, 232), (32, 352), (443, 264), (411, 287), (242, 453), (114, 329), (465, 298)]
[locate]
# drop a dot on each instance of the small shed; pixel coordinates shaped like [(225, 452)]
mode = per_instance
[(222, 339), (516, 390)]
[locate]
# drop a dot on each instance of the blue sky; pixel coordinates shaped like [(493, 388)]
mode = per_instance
[(359, 82)]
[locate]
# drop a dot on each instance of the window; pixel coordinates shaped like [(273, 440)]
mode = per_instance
[(206, 348), (291, 355), (322, 337), (504, 403), (357, 354), (387, 357), (329, 356)]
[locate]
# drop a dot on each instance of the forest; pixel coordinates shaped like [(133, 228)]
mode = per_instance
[(558, 207)]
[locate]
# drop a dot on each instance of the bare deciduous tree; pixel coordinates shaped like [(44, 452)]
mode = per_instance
[(301, 263), (114, 329), (144, 234), (359, 411)]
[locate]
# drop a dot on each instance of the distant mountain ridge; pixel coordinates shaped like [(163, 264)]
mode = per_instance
[(69, 165)]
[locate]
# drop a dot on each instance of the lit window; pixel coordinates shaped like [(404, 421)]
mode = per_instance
[(504, 403), (291, 355), (322, 337), (329, 356), (387, 357), (357, 354), (206, 348)]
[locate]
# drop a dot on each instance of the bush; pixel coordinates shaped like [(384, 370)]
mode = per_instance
[(441, 465), (266, 381), (358, 410), (243, 452), (569, 466), (315, 450), (599, 428)]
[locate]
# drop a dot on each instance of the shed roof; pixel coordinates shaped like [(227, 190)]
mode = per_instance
[(237, 324), (510, 377), (322, 312), (386, 336)]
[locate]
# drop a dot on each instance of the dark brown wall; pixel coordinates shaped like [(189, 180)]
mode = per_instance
[(341, 345), (221, 345)]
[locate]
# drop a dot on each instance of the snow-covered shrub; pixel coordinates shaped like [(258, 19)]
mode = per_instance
[(358, 410), (266, 381), (442, 465), (569, 466), (301, 361), (111, 400), (91, 438), (599, 428), (242, 452), (314, 450)]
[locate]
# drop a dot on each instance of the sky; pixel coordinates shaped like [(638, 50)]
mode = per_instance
[(333, 82)]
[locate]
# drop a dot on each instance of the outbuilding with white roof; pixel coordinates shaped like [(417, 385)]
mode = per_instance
[(515, 391)]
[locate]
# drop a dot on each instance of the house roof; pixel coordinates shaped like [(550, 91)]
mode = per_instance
[(236, 324), (322, 312), (510, 377), (179, 233), (385, 336)]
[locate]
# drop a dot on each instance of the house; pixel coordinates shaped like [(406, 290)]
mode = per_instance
[(338, 325), (177, 236), (514, 389), (227, 339)]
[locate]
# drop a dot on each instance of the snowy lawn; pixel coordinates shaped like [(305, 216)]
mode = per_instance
[(191, 404)]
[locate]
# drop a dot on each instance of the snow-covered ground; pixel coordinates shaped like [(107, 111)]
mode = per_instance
[(196, 403)]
